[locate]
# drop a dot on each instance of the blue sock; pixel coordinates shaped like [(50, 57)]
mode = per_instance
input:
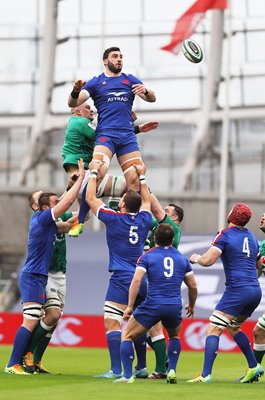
[(210, 353), (242, 341), (140, 349), (20, 343), (114, 345), (84, 207), (174, 349), (127, 356)]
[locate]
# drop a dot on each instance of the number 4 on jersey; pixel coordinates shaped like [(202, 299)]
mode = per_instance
[(246, 247)]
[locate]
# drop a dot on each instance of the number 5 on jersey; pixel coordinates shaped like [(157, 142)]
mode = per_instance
[(133, 235)]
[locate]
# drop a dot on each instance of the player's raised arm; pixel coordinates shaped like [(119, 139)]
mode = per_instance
[(78, 96), (144, 191), (91, 192), (72, 194)]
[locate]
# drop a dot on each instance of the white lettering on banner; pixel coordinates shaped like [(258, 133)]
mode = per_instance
[(195, 335), (63, 335)]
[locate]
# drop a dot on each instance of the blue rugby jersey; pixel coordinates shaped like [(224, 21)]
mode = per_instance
[(113, 98), (126, 234), (166, 269), (41, 239), (239, 249)]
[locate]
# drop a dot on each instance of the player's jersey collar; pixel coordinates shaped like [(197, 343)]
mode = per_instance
[(111, 76)]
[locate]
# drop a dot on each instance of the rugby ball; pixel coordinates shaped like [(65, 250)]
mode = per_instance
[(192, 51)]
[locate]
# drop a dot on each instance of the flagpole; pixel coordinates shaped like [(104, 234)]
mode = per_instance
[(222, 211)]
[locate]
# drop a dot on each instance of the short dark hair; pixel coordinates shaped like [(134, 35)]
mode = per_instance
[(164, 235), (179, 211), (109, 50), (44, 199), (132, 201)]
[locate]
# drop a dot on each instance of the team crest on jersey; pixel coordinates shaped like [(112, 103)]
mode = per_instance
[(104, 83), (125, 81)]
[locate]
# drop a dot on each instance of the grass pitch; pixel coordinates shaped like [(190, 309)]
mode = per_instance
[(73, 371)]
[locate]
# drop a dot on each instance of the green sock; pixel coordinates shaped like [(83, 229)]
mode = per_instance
[(259, 355), (149, 341), (36, 336), (159, 347), (40, 348)]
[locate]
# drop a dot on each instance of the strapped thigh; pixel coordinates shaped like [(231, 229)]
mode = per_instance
[(99, 156), (219, 320), (128, 164), (113, 312), (33, 311)]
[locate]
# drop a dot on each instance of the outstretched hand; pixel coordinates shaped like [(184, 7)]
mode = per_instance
[(81, 168), (140, 168), (95, 164), (148, 126), (78, 84)]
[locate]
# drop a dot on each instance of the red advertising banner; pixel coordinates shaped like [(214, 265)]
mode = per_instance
[(88, 331)]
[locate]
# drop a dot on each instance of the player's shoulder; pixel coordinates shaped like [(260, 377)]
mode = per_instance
[(132, 78)]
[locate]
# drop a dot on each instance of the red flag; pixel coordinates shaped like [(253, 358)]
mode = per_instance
[(188, 22)]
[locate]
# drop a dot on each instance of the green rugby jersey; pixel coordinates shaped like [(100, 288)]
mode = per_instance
[(58, 262), (79, 141), (262, 253), (165, 220)]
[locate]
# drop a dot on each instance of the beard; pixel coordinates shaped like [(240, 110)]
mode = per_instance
[(114, 69), (262, 229)]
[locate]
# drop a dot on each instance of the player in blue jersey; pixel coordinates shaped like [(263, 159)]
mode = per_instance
[(126, 233), (173, 215), (166, 269), (113, 93), (55, 292), (33, 276), (238, 249)]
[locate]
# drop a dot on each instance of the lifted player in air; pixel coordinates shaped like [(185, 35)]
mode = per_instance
[(113, 93)]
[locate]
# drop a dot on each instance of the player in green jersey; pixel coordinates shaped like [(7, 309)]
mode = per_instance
[(79, 138)]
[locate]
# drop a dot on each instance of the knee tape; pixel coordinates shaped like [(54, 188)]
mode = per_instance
[(33, 312), (102, 157), (235, 323), (52, 302), (219, 320), (261, 322), (113, 312)]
